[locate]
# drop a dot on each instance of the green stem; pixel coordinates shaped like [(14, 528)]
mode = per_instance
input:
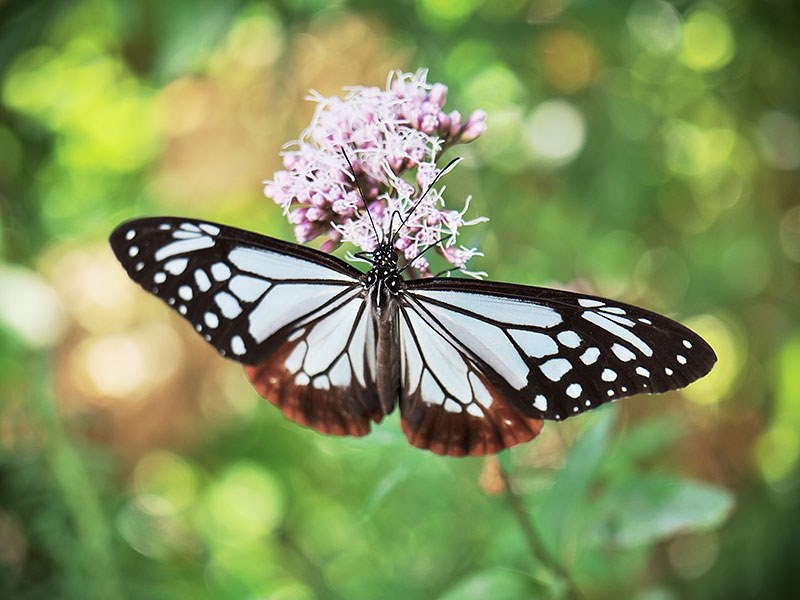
[(535, 543), (93, 552)]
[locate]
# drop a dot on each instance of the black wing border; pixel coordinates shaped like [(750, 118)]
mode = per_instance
[(231, 234)]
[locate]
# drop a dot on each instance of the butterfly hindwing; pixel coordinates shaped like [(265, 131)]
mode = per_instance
[(262, 301), (553, 354), (447, 403), (323, 376)]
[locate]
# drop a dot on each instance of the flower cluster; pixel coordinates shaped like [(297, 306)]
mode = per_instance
[(390, 136)]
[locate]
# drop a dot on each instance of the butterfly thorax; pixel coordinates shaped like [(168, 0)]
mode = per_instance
[(383, 279)]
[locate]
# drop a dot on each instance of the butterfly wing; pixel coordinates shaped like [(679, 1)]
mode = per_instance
[(293, 315), (449, 402), (533, 353)]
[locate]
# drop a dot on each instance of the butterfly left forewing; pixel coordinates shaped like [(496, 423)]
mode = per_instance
[(261, 301), (553, 354), (235, 287)]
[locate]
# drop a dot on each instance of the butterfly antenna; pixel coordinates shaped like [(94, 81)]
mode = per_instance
[(424, 250), (378, 236), (447, 168)]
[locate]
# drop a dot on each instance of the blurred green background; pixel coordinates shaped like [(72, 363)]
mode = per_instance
[(646, 150)]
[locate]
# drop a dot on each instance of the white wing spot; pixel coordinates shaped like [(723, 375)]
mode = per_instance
[(622, 353), (130, 235), (534, 343), (624, 389), (645, 321), (210, 229), (176, 266), (540, 403), (588, 403), (220, 271), (668, 371), (198, 327), (295, 334), (171, 301), (515, 312), (228, 305), (642, 371), (574, 409), (185, 235), (185, 292), (274, 265), (605, 322), (202, 280), (574, 390), (555, 368), (165, 226), (610, 392), (608, 375), (340, 373), (569, 338), (479, 391), (681, 359), (452, 406), (431, 392), (687, 343), (321, 382), (589, 303), (301, 379), (160, 277), (183, 246), (296, 357), (133, 251), (617, 319), (211, 319), (139, 266), (182, 309), (590, 356), (614, 310), (248, 289), (207, 337), (190, 227), (474, 410)]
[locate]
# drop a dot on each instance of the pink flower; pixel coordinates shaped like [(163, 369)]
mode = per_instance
[(385, 134)]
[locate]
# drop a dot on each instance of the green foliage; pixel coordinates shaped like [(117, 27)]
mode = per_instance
[(646, 149)]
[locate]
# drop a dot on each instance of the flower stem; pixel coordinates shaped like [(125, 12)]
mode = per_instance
[(535, 543)]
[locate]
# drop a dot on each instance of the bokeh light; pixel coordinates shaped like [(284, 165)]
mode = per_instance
[(555, 132), (707, 43)]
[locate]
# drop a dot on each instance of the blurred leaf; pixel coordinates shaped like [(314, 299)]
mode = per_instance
[(384, 487), (643, 440), (498, 584), (562, 502), (651, 507)]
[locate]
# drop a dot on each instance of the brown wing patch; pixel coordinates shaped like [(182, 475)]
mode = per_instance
[(334, 409), (499, 426)]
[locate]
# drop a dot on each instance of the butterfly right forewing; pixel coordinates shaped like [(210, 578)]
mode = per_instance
[(552, 353)]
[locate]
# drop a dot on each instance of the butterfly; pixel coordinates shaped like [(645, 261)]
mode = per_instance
[(474, 366)]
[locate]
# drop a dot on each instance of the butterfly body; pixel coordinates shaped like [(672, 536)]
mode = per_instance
[(473, 366)]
